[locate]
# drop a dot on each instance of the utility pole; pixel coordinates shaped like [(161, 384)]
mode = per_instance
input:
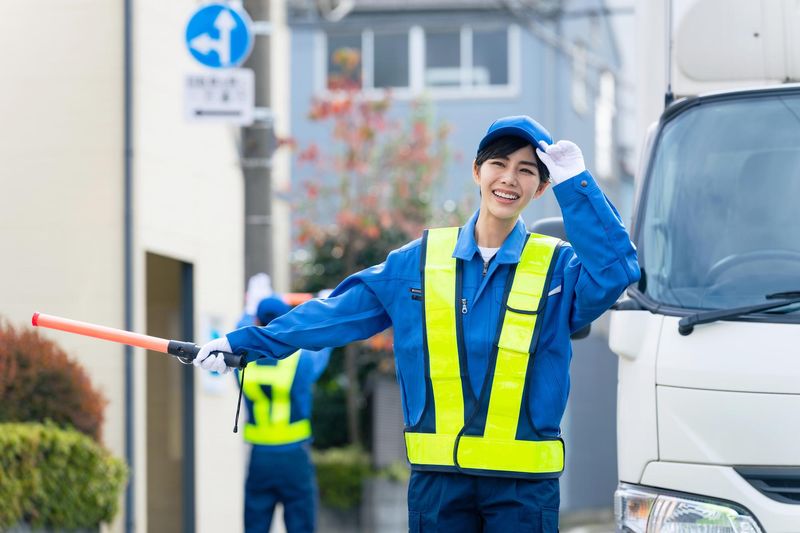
[(258, 145)]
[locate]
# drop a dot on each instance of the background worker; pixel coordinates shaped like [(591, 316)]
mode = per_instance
[(482, 318), (278, 396), (259, 286)]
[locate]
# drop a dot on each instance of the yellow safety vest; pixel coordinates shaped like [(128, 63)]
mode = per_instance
[(271, 421), (481, 439)]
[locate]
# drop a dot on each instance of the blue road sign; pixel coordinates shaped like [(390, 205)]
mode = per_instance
[(219, 36)]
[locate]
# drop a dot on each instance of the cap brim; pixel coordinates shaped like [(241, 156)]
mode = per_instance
[(512, 131)]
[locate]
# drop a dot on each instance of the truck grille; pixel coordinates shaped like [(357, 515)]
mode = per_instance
[(781, 483)]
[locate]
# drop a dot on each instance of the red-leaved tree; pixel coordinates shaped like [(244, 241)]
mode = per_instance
[(369, 190)]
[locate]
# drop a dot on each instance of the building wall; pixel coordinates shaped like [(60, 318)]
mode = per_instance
[(189, 203), (61, 224), (61, 185)]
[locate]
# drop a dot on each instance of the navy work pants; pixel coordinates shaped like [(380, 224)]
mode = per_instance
[(443, 502), (286, 476)]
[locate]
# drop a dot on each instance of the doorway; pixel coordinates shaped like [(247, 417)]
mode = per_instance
[(170, 398)]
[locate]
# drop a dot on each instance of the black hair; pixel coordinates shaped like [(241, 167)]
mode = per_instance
[(508, 144)]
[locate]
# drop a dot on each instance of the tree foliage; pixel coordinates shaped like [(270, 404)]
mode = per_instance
[(38, 383), (368, 190)]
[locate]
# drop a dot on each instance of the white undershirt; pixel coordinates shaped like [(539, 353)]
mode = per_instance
[(487, 253)]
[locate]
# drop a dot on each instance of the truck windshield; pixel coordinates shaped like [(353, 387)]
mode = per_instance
[(721, 220)]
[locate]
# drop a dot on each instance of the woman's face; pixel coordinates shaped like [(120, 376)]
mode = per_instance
[(508, 183)]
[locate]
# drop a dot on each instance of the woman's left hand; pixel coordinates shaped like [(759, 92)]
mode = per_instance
[(563, 159)]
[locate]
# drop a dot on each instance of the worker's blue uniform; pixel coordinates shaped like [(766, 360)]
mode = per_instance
[(284, 472), (588, 276)]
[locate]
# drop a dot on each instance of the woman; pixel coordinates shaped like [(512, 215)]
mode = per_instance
[(482, 317)]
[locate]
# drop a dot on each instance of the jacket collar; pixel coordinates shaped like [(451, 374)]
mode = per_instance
[(509, 252)]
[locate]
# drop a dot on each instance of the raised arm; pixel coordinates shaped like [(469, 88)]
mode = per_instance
[(602, 260)]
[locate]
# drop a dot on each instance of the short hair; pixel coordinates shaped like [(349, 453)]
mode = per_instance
[(508, 144)]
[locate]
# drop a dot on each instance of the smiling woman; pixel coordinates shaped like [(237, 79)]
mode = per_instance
[(483, 383), (508, 174)]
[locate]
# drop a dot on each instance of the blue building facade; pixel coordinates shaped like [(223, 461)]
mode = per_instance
[(475, 61)]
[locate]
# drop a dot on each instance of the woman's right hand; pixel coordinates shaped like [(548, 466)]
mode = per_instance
[(563, 159), (209, 357)]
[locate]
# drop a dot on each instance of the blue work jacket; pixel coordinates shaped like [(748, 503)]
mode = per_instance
[(589, 275)]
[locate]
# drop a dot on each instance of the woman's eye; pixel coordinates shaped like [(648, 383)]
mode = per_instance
[(497, 163)]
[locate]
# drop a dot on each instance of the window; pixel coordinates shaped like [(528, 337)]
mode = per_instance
[(344, 61), (443, 61), (390, 60), (604, 112), (466, 57), (442, 58), (720, 219), (489, 57), (367, 60)]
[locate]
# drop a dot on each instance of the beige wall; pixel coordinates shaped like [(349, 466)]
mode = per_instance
[(61, 145), (61, 185), (189, 204), (61, 222)]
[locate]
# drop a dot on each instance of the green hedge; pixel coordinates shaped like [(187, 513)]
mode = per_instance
[(56, 478), (340, 475)]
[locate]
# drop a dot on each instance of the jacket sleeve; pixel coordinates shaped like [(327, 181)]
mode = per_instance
[(354, 311), (601, 261), (319, 361)]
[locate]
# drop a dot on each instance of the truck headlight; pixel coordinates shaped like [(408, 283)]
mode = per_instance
[(645, 510)]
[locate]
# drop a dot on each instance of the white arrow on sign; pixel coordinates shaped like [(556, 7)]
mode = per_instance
[(204, 43)]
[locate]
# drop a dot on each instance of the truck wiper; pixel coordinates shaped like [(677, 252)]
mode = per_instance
[(686, 324)]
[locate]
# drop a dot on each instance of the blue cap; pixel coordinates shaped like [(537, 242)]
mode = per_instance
[(517, 126), (270, 308)]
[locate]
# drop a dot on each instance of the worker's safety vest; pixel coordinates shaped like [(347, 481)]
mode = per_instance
[(269, 388), (493, 433)]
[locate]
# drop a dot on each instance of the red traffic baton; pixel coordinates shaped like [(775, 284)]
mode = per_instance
[(184, 351)]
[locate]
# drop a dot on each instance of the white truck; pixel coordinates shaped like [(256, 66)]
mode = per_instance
[(708, 416)]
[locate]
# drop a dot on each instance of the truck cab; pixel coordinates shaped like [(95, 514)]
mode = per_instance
[(708, 417), (708, 342)]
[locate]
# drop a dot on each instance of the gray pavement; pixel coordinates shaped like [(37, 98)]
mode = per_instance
[(594, 521)]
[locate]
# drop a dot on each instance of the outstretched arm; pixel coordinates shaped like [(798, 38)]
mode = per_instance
[(352, 312)]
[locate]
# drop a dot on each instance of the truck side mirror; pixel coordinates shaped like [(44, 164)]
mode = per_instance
[(554, 227)]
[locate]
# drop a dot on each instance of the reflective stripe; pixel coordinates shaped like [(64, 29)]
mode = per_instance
[(514, 345), (272, 414), (430, 448), (445, 373), (497, 449), (508, 455)]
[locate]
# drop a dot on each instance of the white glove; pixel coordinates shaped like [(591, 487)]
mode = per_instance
[(213, 362), (563, 159)]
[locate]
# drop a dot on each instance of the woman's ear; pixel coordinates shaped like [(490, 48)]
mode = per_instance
[(476, 176), (540, 190)]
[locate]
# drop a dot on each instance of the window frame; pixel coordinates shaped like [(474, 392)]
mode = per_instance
[(416, 62)]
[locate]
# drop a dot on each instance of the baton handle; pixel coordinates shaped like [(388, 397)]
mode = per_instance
[(188, 351)]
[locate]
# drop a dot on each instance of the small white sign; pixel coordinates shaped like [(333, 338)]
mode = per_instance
[(225, 95)]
